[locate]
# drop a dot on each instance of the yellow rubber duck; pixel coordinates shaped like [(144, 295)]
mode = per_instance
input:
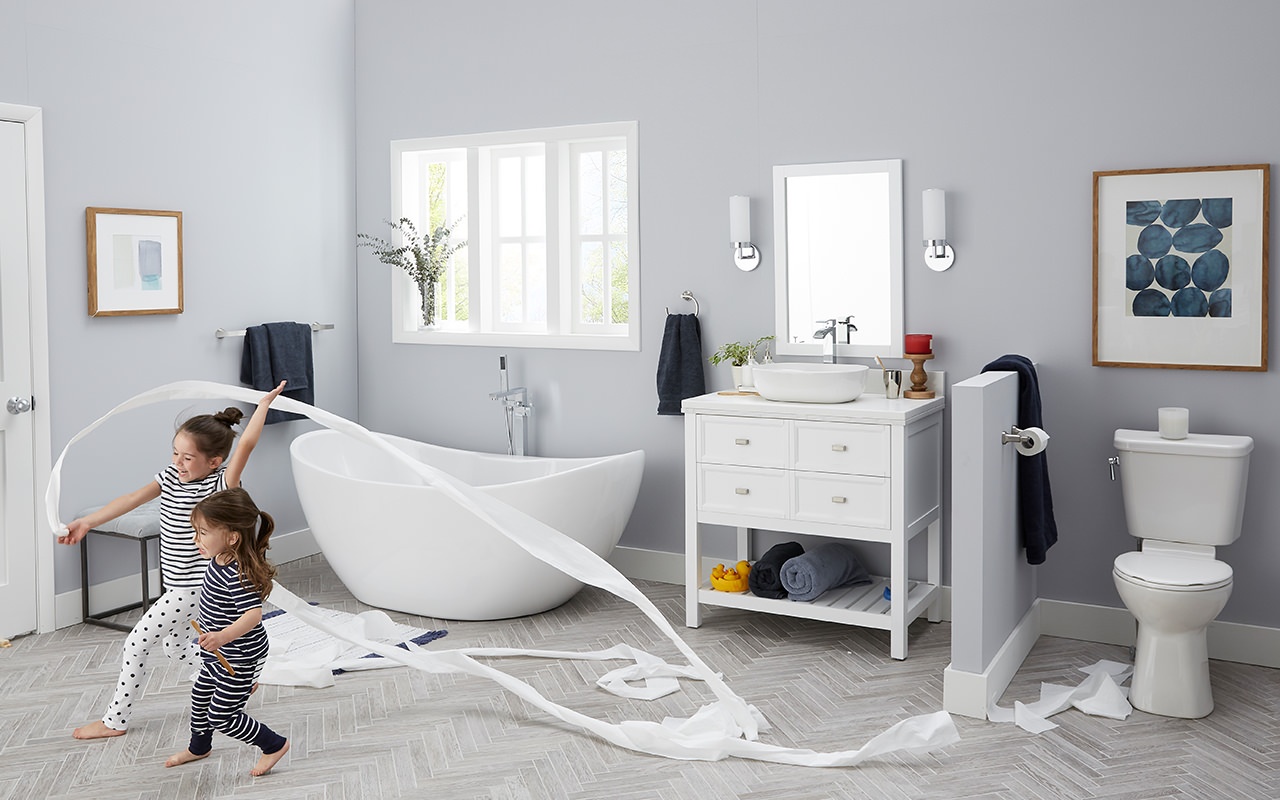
[(731, 579)]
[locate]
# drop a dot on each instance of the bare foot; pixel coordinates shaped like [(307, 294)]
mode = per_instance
[(185, 757), (96, 730), (269, 760)]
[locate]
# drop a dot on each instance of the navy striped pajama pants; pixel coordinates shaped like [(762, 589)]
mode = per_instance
[(217, 704)]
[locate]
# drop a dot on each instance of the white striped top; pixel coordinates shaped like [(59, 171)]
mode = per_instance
[(180, 561), (223, 600)]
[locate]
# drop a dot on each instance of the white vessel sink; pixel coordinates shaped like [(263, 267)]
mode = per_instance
[(810, 383)]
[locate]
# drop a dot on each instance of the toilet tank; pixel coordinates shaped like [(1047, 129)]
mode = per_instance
[(1184, 490)]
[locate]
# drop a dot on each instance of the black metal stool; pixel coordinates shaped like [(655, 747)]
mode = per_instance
[(141, 525)]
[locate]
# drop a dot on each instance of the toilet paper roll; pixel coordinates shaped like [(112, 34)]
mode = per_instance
[(1034, 440)]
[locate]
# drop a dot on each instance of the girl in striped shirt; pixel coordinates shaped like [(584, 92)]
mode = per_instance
[(202, 464), (234, 535)]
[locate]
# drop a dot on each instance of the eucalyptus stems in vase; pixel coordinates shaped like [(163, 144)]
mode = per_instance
[(424, 256)]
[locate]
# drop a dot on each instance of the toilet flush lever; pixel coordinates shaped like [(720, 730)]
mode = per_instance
[(1112, 463)]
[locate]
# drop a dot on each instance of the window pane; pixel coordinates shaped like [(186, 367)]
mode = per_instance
[(510, 284), (619, 299), (536, 274), (592, 289), (535, 196), (459, 288), (509, 195), (590, 203), (617, 191)]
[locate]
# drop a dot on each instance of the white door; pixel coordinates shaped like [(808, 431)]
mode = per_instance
[(17, 479)]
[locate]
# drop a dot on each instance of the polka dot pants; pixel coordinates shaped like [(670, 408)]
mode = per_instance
[(165, 627)]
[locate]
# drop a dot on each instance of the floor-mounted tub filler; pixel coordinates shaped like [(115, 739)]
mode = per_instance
[(399, 543), (727, 727)]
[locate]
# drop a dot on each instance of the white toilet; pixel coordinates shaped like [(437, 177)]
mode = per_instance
[(1182, 498)]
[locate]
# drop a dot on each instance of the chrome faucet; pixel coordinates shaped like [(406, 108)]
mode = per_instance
[(516, 406), (829, 353)]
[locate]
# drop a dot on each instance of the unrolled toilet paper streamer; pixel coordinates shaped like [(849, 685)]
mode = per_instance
[(1034, 440), (1100, 694), (726, 727)]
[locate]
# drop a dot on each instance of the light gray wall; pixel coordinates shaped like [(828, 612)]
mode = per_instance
[(1009, 106), (240, 116)]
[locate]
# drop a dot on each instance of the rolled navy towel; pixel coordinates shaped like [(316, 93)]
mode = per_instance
[(765, 578), (827, 566)]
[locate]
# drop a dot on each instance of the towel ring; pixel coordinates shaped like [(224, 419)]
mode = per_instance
[(687, 295)]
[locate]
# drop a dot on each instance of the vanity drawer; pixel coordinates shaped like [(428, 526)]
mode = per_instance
[(737, 440), (742, 490), (861, 500), (846, 448)]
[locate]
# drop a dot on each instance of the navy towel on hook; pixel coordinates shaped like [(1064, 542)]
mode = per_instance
[(1035, 500), (680, 363)]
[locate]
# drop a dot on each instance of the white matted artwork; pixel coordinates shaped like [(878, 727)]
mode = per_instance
[(1180, 267), (135, 261)]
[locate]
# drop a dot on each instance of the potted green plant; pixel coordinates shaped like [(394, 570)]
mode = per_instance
[(740, 355), (424, 256)]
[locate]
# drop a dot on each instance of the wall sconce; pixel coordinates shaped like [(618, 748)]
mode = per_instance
[(745, 254), (937, 253)]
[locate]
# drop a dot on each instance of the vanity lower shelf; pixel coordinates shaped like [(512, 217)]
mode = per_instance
[(863, 605)]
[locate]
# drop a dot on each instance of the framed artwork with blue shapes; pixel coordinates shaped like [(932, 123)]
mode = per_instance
[(1180, 267), (135, 261)]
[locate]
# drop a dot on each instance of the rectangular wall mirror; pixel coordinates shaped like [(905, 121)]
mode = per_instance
[(838, 231)]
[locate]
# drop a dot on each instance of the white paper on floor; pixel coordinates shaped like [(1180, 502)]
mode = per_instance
[(1099, 694), (727, 727), (302, 655)]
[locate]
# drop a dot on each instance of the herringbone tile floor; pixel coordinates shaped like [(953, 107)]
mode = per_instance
[(402, 733)]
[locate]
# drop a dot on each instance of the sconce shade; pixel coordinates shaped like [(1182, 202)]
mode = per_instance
[(739, 219), (935, 215)]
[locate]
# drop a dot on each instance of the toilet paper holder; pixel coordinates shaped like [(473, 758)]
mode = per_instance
[(1018, 436)]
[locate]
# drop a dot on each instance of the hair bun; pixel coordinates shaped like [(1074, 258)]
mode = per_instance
[(229, 416)]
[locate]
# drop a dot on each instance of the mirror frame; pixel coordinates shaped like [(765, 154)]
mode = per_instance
[(892, 168)]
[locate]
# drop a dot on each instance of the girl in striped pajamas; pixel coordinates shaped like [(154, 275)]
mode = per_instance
[(234, 535), (202, 464)]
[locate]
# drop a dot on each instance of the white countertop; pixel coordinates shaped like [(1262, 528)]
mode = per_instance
[(870, 407)]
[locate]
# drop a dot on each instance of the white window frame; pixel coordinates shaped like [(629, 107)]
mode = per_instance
[(483, 329)]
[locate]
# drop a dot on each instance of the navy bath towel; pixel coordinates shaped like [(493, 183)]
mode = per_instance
[(827, 566), (279, 351), (1035, 500), (765, 577), (680, 363)]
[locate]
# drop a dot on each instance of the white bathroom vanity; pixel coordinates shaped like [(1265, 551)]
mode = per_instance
[(868, 470)]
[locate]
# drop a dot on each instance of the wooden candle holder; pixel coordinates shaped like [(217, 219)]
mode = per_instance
[(918, 377)]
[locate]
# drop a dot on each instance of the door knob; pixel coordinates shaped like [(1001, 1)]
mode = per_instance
[(18, 405)]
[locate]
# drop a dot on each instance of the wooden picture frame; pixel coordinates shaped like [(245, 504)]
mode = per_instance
[(135, 261), (1180, 267)]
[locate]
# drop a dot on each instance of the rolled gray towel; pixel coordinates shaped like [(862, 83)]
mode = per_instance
[(827, 566), (765, 578)]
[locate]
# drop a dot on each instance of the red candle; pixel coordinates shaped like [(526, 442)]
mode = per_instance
[(918, 344)]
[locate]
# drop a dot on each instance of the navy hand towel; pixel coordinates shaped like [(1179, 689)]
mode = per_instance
[(765, 577), (827, 566), (1035, 500), (680, 363), (279, 351)]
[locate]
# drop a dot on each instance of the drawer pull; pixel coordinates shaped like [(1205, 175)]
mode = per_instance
[(837, 499), (838, 448), (742, 441), (740, 490)]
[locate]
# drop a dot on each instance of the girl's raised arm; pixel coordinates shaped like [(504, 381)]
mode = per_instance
[(249, 439)]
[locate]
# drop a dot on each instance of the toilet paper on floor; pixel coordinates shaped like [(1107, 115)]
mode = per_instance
[(1099, 694)]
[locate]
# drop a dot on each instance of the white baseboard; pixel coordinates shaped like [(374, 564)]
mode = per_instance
[(971, 693), (1228, 641), (68, 609)]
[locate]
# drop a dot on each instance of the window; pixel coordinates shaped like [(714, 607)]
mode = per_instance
[(550, 221)]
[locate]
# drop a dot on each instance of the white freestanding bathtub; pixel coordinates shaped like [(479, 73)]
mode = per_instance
[(400, 544)]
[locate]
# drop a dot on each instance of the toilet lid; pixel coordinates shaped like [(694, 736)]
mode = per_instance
[(1173, 572)]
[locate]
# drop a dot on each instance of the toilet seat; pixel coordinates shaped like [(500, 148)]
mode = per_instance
[(1171, 572)]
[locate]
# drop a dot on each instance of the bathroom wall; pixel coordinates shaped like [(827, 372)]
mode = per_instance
[(239, 114), (1009, 106)]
